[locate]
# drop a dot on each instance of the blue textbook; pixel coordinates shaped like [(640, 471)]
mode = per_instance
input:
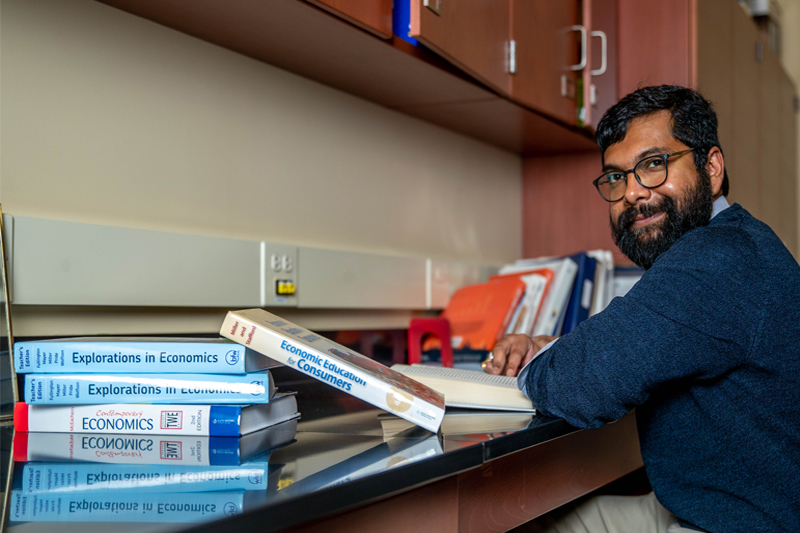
[(152, 449), (52, 478), (147, 388), (156, 419), (113, 506), (156, 355), (580, 300)]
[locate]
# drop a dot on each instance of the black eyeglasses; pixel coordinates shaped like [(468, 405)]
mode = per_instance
[(650, 172)]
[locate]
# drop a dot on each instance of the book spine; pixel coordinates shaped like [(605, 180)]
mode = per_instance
[(337, 373), (115, 506), (128, 357), (560, 288), (213, 420), (146, 388), (126, 449), (43, 478)]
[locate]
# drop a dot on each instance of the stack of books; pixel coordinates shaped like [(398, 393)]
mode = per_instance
[(170, 421), (539, 296)]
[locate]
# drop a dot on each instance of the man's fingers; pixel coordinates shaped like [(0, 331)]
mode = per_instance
[(520, 345), (508, 354), (497, 360)]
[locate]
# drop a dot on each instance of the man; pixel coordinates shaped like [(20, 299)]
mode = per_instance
[(706, 346)]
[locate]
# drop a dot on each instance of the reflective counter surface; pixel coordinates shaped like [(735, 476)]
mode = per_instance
[(341, 454)]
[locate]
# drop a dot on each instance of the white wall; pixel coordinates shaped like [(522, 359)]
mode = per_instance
[(110, 119)]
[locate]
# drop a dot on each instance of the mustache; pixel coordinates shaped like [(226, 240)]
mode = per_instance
[(628, 217)]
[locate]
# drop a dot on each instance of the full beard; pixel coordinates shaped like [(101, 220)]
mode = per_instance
[(644, 245)]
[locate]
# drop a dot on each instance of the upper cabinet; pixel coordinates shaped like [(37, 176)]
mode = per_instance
[(471, 34), (536, 52), (466, 92), (375, 16)]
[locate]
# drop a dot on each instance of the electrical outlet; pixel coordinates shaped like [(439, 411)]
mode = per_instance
[(279, 285)]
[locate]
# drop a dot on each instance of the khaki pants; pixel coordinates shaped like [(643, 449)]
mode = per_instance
[(607, 514)]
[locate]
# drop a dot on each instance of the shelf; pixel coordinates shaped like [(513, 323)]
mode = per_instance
[(301, 38)]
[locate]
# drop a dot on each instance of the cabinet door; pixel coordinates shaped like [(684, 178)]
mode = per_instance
[(546, 47), (471, 34), (787, 114), (654, 44), (742, 154), (375, 16), (604, 54), (715, 50), (772, 201)]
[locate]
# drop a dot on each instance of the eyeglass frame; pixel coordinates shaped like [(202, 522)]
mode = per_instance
[(625, 173)]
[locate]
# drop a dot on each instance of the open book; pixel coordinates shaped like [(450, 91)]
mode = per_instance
[(470, 388)]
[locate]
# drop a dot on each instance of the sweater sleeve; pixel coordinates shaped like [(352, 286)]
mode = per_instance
[(691, 317)]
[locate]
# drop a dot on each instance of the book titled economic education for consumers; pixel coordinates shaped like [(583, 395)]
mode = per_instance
[(152, 449), (336, 365), (145, 355), (170, 419), (147, 388)]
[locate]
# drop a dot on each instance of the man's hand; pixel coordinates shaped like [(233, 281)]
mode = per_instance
[(513, 352)]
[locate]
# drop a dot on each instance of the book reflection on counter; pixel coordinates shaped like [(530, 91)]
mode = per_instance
[(151, 449), (115, 506), (153, 488), (62, 478), (458, 423), (409, 446)]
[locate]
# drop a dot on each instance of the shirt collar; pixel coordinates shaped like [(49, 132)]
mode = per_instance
[(720, 204)]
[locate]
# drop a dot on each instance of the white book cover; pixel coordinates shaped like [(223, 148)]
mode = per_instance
[(603, 278), (555, 304), (336, 365), (525, 315)]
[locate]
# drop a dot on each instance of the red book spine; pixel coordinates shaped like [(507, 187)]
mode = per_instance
[(21, 416)]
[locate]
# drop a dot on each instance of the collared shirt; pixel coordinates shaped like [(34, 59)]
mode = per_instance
[(719, 205)]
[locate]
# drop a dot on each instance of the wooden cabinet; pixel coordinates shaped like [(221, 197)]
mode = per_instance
[(778, 162), (375, 16), (602, 70), (537, 52), (741, 144), (788, 103), (547, 47), (472, 34), (754, 101)]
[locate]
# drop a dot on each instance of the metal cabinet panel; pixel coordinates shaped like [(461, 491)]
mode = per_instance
[(332, 278), (70, 263)]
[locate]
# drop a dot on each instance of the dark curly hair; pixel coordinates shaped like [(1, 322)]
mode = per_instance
[(694, 122)]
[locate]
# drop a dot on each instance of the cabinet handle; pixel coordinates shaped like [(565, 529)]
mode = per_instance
[(433, 5), (603, 54), (582, 64)]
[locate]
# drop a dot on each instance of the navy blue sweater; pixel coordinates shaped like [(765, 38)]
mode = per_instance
[(706, 347)]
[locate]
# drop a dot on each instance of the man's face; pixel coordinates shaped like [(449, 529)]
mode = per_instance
[(646, 222)]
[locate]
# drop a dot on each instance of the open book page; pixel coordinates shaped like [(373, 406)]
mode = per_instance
[(469, 388), (457, 374)]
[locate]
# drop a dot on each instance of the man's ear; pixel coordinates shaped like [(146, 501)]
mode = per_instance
[(715, 166)]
